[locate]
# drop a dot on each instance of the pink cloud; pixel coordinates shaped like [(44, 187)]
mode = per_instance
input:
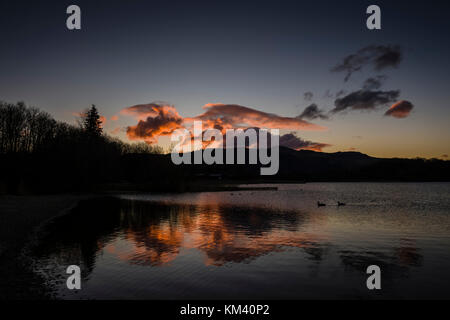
[(160, 119), (400, 109)]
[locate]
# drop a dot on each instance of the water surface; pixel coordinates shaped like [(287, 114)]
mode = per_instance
[(274, 244)]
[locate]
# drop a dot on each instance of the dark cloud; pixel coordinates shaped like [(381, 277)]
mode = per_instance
[(379, 57), (290, 140), (307, 96), (401, 109), (340, 93), (374, 83), (312, 112), (365, 100)]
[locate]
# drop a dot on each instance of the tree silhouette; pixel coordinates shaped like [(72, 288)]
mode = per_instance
[(91, 122)]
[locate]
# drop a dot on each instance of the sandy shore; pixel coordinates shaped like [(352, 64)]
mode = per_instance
[(19, 218)]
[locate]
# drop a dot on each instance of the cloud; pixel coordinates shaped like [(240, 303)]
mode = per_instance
[(155, 120), (225, 116), (290, 140), (161, 119), (374, 83), (378, 56), (307, 96), (445, 156), (365, 100), (143, 111), (312, 112), (369, 97), (401, 109), (115, 118)]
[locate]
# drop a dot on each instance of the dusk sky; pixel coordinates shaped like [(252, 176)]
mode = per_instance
[(276, 57)]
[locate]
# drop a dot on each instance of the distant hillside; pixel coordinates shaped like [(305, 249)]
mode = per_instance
[(341, 166), (60, 172), (300, 165)]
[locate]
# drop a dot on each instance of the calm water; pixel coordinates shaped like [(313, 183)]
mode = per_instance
[(256, 244)]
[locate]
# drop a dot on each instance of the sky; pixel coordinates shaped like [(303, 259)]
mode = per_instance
[(309, 68)]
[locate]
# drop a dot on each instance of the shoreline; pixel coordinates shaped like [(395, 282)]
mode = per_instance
[(20, 220)]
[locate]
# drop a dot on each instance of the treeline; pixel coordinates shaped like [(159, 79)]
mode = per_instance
[(40, 154), (27, 129)]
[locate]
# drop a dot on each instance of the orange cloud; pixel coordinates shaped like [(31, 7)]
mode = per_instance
[(114, 118), (400, 109), (155, 120), (233, 115), (154, 109), (160, 119)]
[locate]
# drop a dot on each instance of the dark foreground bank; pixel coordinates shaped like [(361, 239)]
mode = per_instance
[(19, 218)]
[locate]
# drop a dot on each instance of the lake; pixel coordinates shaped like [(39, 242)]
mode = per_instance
[(267, 244)]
